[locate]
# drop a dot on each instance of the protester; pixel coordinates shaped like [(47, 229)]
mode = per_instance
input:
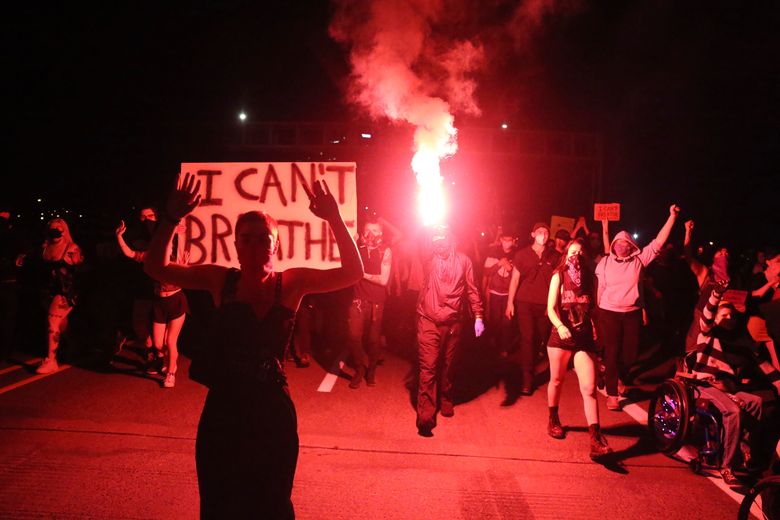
[(449, 282), (364, 319), (496, 277), (705, 275), (707, 278), (619, 302), (144, 287), (246, 448), (562, 237), (725, 366), (168, 312), (60, 256), (569, 304), (532, 269)]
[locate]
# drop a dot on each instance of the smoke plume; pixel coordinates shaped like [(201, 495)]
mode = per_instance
[(408, 65), (401, 70)]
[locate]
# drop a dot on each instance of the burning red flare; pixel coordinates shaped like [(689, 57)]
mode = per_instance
[(433, 143)]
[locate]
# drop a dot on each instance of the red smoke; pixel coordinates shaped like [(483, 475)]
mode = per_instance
[(407, 68), (402, 71)]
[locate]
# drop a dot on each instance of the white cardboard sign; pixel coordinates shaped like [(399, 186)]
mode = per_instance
[(229, 189)]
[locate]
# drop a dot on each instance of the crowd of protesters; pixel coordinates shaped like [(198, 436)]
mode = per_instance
[(622, 313)]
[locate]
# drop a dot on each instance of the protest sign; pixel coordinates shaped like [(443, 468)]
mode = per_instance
[(229, 189), (606, 212), (557, 222)]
